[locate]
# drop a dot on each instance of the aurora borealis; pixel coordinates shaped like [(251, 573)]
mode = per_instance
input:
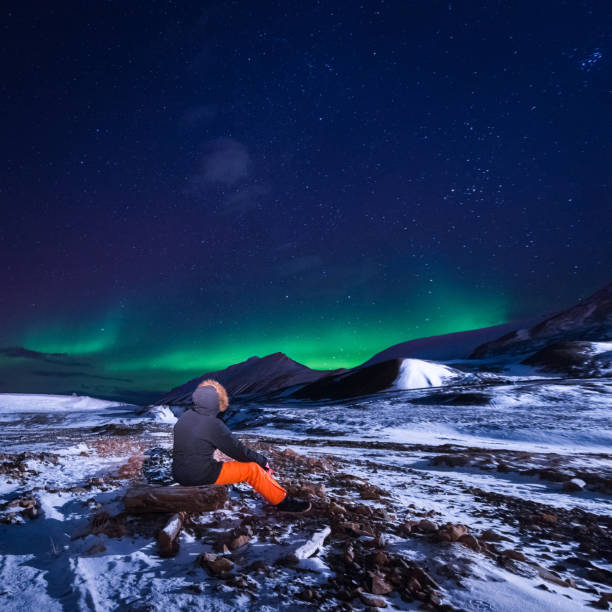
[(189, 185)]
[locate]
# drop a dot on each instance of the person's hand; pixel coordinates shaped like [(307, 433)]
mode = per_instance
[(269, 469)]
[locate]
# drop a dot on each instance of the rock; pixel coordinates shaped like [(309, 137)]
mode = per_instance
[(380, 557), (371, 600), (549, 519), (551, 576), (309, 489), (220, 547), (451, 460), (239, 541), (336, 509), (573, 485), (513, 554), (407, 527), (217, 566), (425, 526), (378, 584), (603, 602), (470, 541), (451, 533), (488, 535)]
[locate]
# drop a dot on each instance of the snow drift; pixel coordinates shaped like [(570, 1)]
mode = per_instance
[(417, 373)]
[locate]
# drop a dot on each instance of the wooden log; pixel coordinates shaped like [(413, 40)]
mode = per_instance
[(167, 538), (151, 498)]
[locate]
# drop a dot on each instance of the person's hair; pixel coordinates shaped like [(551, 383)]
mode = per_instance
[(221, 392)]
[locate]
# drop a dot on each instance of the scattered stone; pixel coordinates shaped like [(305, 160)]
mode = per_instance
[(425, 526), (378, 584), (470, 541), (451, 460), (574, 485), (451, 532), (513, 554), (239, 541), (488, 535), (549, 519), (372, 600), (217, 566)]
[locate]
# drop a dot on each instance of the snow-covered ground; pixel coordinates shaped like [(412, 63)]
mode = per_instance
[(487, 456)]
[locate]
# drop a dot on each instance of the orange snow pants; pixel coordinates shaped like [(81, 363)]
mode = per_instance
[(238, 471)]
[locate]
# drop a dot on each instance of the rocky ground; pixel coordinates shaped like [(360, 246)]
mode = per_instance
[(393, 525), (360, 546)]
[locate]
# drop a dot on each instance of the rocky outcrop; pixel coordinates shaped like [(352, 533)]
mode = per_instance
[(577, 358), (255, 376), (590, 319), (456, 345), (351, 383)]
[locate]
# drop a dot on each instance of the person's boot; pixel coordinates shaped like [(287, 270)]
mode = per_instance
[(290, 504)]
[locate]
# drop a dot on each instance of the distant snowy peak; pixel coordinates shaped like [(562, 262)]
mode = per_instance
[(417, 374), (589, 320), (255, 376), (39, 402)]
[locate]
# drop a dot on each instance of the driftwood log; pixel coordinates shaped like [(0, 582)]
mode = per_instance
[(145, 499)]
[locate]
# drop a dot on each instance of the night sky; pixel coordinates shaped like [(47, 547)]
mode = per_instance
[(189, 184)]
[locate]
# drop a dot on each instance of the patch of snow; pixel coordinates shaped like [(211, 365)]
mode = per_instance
[(418, 373), (40, 402)]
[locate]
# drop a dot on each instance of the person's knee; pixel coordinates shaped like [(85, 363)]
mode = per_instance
[(253, 470)]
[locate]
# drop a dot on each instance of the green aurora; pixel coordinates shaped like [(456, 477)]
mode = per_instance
[(156, 351)]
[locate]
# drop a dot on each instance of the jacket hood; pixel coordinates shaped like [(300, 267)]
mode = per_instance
[(206, 400)]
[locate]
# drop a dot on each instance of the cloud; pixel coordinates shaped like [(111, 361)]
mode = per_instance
[(226, 162), (225, 177), (19, 352), (78, 374)]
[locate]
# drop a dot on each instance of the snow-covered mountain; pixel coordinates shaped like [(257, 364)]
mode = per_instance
[(589, 320)]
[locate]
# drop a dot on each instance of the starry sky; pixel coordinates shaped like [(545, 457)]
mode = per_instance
[(188, 184)]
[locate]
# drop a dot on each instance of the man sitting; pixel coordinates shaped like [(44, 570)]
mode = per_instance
[(197, 434)]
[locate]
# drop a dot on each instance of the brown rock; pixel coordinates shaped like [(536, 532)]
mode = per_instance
[(488, 535), (372, 601), (603, 601), (470, 541), (451, 460), (549, 519), (407, 526), (239, 541), (379, 585), (513, 554), (217, 566), (380, 557), (425, 526), (451, 533), (335, 509)]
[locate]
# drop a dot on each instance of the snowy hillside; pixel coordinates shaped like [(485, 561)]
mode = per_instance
[(460, 496)]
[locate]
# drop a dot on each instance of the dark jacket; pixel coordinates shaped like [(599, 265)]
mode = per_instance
[(197, 434)]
